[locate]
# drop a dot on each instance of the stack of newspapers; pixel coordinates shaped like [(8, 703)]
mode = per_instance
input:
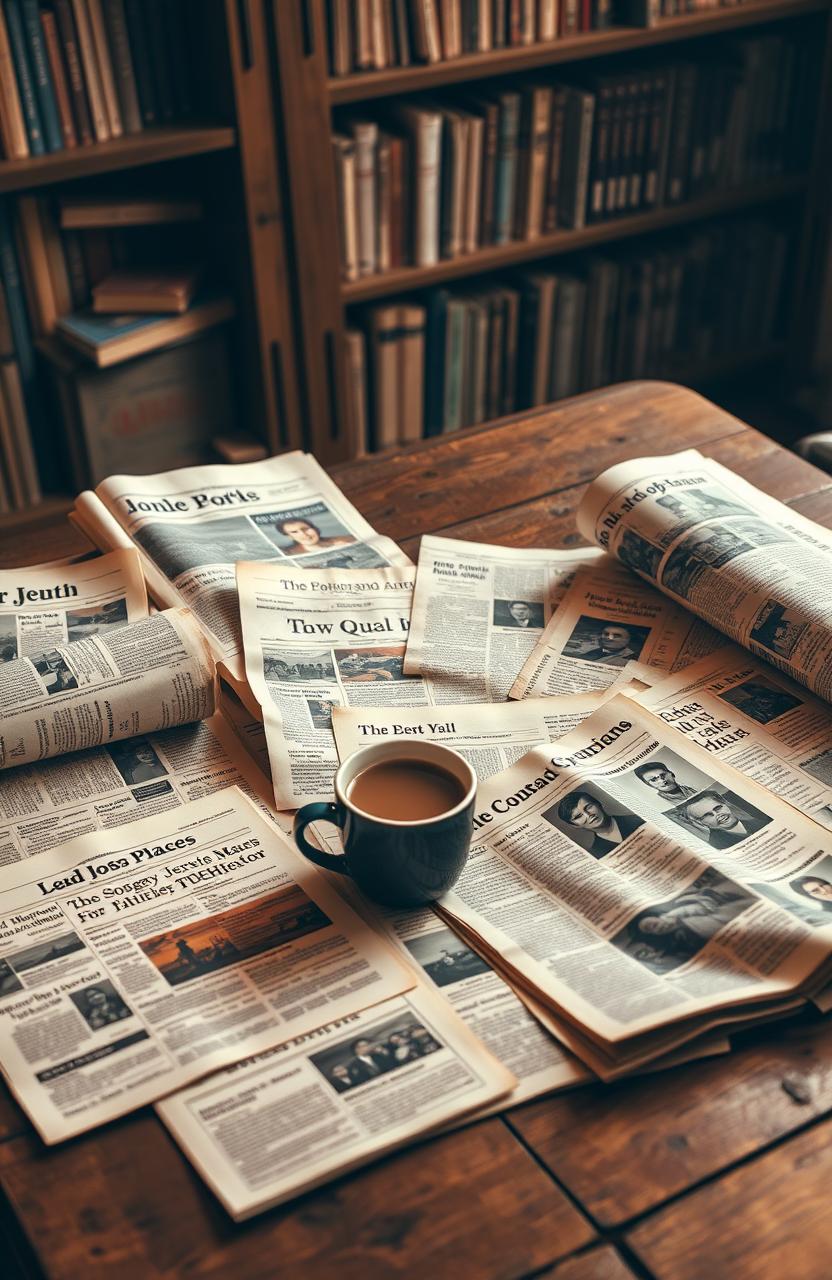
[(651, 865)]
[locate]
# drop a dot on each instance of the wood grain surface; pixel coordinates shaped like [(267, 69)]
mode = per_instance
[(716, 1170)]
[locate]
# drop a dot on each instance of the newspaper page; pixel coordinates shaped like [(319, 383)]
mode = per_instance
[(47, 606), (314, 641), (132, 964), (490, 736), (766, 726), (192, 525), (47, 804), (608, 620), (742, 561), (325, 1103), (131, 680), (627, 915), (479, 610)]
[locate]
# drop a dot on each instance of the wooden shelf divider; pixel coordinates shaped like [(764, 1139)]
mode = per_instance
[(171, 142), (592, 44), (495, 257)]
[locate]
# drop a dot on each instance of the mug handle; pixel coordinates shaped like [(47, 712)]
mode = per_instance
[(320, 812)]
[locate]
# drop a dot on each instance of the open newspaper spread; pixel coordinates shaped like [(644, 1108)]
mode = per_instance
[(478, 611), (608, 620), (134, 962), (46, 606), (329, 1101), (115, 684), (192, 525), (742, 561), (635, 919)]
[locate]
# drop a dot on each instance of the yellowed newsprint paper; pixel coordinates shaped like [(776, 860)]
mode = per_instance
[(479, 611), (46, 804), (133, 962), (112, 684), (635, 919), (44, 607), (329, 1101), (745, 563), (192, 525), (607, 621)]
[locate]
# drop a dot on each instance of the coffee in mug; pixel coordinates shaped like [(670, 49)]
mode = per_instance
[(406, 816), (407, 790)]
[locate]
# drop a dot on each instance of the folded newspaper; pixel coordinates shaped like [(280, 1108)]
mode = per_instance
[(191, 526), (743, 562)]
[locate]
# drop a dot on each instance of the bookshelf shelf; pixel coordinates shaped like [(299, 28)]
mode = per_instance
[(595, 44), (496, 257), (154, 145)]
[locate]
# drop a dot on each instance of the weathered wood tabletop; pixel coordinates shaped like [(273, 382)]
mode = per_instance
[(718, 1169)]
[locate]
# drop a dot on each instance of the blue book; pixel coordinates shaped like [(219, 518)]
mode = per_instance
[(437, 310), (39, 63), (506, 169), (109, 339), (45, 449), (25, 79)]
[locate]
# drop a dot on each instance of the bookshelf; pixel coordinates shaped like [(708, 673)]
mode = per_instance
[(311, 100), (226, 153)]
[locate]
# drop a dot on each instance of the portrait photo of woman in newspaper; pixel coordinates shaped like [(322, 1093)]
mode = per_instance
[(594, 821)]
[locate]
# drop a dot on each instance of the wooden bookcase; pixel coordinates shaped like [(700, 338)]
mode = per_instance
[(231, 159), (308, 95)]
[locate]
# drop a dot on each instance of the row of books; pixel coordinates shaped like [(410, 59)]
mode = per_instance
[(77, 72), (425, 182), (372, 35), (459, 357)]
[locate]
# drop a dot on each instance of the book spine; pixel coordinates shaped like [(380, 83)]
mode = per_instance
[(454, 364), (601, 15), (426, 35), (383, 204), (377, 35), (105, 68), (494, 367), (366, 139), (476, 129), (578, 150), (398, 196), (12, 124), (485, 34), (39, 64), (640, 159), (550, 213), (642, 13), (92, 79), (657, 128), (157, 39), (119, 42), (541, 134), (59, 81), (628, 143), (512, 325), (489, 174), (402, 33), (357, 366), (600, 154), (437, 306), (450, 22), (527, 22), (24, 348), (25, 79), (344, 156), (427, 167), (547, 21), (58, 273), (569, 17), (363, 28), (75, 75), (412, 320), (142, 64), (616, 149), (78, 286), (499, 18), (21, 430), (677, 176), (385, 330), (505, 192)]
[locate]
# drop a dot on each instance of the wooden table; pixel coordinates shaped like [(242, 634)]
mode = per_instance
[(718, 1169)]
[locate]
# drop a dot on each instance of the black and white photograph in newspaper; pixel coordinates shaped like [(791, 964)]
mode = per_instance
[(605, 640), (387, 1046), (593, 820), (523, 615), (669, 933), (444, 958)]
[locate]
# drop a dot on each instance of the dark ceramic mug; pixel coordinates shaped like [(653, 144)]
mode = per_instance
[(399, 863)]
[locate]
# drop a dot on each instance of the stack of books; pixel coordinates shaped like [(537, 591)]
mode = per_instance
[(76, 72), (676, 309), (99, 282), (372, 35), (426, 182)]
